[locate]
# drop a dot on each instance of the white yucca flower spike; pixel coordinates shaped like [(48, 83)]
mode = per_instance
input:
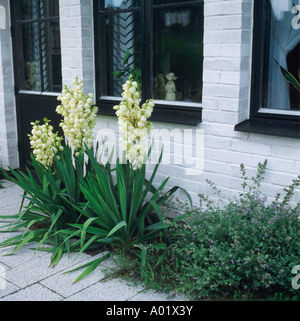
[(133, 122), (44, 142), (79, 116)]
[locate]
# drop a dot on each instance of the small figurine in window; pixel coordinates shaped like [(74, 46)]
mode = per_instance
[(170, 86)]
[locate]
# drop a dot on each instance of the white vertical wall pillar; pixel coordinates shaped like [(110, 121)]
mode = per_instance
[(8, 121), (227, 54), (77, 42)]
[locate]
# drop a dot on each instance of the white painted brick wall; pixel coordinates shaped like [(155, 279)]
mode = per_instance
[(8, 129), (226, 77), (227, 72), (77, 42)]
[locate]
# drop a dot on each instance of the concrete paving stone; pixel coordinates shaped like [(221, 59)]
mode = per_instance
[(6, 183), (9, 184), (35, 292), (14, 191), (25, 254), (6, 202), (38, 268), (63, 283), (5, 226), (11, 195), (6, 287), (9, 210), (112, 290), (6, 235)]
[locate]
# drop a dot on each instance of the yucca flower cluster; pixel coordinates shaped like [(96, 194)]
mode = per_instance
[(44, 142), (79, 117), (133, 122)]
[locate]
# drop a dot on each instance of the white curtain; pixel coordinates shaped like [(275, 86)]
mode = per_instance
[(283, 39)]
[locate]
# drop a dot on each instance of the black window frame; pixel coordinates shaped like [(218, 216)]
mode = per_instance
[(264, 123), (16, 30), (181, 113)]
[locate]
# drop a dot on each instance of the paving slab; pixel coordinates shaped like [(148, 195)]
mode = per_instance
[(111, 290), (21, 257), (6, 287), (5, 236), (38, 268), (11, 209), (64, 285), (35, 292)]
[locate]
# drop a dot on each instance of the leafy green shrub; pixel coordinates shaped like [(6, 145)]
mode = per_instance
[(245, 249), (249, 247)]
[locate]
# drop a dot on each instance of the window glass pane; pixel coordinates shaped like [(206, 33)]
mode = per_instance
[(49, 8), (282, 46), (121, 54), (31, 57), (178, 54), (155, 2), (41, 57), (35, 9), (51, 56), (121, 4), (27, 9)]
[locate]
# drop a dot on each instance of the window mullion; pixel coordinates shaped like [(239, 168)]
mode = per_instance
[(147, 49)]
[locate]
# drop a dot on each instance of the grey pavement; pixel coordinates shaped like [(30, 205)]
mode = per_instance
[(27, 276)]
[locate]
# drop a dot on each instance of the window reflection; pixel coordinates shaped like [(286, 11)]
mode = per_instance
[(158, 2), (35, 9), (39, 41), (178, 54), (121, 4), (31, 56), (122, 54)]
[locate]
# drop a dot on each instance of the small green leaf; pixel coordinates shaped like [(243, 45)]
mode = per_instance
[(118, 74), (91, 267), (126, 56), (289, 77), (116, 228), (143, 256)]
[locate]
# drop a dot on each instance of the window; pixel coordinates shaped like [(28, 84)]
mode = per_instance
[(160, 42), (38, 34), (275, 102)]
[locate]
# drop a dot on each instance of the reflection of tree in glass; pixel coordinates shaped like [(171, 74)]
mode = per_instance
[(31, 81)]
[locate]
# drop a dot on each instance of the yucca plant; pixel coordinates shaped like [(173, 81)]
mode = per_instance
[(123, 210), (51, 192)]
